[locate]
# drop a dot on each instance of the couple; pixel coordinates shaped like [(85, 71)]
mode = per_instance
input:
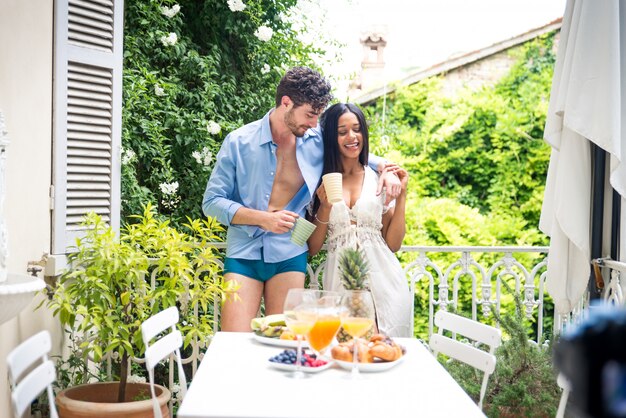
[(267, 173)]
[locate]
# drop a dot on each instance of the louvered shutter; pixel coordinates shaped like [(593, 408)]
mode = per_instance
[(87, 115)]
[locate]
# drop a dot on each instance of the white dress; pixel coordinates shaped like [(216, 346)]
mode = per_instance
[(387, 281)]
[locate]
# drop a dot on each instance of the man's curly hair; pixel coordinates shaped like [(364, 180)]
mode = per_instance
[(304, 86)]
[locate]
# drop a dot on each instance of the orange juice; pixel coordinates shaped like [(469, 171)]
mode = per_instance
[(323, 332), (356, 327)]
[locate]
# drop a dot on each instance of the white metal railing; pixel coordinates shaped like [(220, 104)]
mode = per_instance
[(484, 267), (443, 282), (614, 292)]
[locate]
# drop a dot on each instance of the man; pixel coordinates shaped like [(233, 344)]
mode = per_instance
[(266, 173)]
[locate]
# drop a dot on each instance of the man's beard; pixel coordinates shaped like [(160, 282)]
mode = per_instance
[(292, 125)]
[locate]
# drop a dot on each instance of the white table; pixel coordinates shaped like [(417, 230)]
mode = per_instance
[(235, 380)]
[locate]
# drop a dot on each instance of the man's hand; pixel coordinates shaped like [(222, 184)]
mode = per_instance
[(280, 221), (403, 176), (390, 181)]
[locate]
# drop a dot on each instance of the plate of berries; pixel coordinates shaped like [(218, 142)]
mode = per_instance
[(286, 360)]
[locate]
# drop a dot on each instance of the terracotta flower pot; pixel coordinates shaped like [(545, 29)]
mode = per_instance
[(100, 400)]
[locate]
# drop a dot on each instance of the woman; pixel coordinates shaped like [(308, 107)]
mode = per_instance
[(360, 220)]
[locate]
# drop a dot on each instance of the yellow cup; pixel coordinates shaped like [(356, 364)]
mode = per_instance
[(333, 183)]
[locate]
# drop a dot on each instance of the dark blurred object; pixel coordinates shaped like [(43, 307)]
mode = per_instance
[(592, 356)]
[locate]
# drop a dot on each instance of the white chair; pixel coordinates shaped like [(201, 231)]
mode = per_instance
[(163, 347), (475, 331), (564, 384), (30, 372)]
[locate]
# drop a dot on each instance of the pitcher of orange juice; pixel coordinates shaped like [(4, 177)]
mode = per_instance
[(329, 307)]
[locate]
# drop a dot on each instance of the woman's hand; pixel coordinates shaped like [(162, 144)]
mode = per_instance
[(321, 194)]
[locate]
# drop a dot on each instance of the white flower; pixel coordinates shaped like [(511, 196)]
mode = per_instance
[(176, 392), (133, 378), (264, 33), (170, 39), (213, 128), (128, 155), (169, 189), (158, 90), (236, 5), (170, 11), (266, 69), (170, 200), (203, 157)]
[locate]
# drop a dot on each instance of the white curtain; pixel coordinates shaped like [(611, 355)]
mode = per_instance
[(586, 104)]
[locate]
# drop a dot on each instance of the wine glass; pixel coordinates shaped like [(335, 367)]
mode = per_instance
[(358, 318), (300, 315), (329, 307)]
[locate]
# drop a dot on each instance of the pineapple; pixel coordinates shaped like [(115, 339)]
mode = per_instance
[(354, 269), (354, 272)]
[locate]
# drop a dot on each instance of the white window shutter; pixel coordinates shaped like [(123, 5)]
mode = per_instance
[(87, 115)]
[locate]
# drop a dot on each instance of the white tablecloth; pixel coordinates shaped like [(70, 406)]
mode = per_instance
[(235, 380)]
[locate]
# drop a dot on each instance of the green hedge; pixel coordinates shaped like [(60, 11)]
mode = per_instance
[(194, 71)]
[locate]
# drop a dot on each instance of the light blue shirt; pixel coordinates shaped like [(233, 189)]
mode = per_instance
[(243, 175)]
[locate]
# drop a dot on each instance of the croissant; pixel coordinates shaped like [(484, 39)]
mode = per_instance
[(344, 352), (379, 337), (341, 352), (385, 351)]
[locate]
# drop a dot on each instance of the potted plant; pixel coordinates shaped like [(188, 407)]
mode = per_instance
[(524, 381), (107, 293)]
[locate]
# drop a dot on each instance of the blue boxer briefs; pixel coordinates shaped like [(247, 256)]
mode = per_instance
[(262, 271)]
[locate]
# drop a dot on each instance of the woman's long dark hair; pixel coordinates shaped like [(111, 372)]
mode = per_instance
[(330, 131)]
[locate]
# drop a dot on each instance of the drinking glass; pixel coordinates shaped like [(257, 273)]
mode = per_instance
[(300, 315), (358, 318), (329, 308)]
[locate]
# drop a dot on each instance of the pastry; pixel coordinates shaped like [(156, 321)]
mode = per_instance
[(379, 347), (385, 351), (344, 352)]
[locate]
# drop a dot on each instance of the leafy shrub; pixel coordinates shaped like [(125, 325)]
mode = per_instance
[(107, 293), (524, 382), (191, 78)]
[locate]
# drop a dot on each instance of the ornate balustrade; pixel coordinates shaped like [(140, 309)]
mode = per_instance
[(439, 273), (467, 279), (442, 270)]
